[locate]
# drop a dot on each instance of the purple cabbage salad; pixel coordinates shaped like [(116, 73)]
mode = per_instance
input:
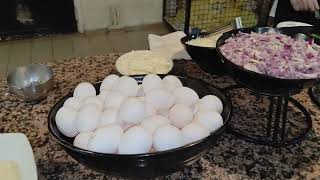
[(273, 54)]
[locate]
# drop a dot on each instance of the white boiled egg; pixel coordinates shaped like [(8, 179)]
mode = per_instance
[(135, 140), (185, 95), (160, 98), (87, 118), (103, 95), (127, 85), (114, 99), (65, 119), (180, 115), (171, 82), (150, 110), (140, 92), (209, 102), (210, 119), (152, 123), (163, 112), (84, 90), (167, 137), (197, 107), (109, 82), (106, 139), (82, 140), (194, 132), (132, 110), (73, 102), (126, 126), (108, 116), (150, 82), (94, 100)]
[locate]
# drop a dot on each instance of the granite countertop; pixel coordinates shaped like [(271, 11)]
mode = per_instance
[(230, 158)]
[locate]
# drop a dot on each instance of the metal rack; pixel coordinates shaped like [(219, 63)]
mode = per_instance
[(314, 94), (191, 15), (277, 123), (283, 121)]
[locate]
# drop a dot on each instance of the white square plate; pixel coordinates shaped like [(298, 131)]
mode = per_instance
[(16, 147)]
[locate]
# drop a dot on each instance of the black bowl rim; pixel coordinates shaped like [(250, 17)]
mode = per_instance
[(65, 143), (187, 38), (233, 32)]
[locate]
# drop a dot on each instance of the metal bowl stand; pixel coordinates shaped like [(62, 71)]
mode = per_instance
[(277, 121), (315, 97)]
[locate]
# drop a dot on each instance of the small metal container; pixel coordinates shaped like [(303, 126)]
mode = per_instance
[(31, 83), (301, 36), (238, 23)]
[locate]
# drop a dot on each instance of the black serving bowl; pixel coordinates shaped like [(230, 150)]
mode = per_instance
[(206, 57), (263, 83), (150, 164)]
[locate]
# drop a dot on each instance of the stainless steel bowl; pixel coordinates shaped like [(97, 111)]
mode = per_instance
[(31, 83)]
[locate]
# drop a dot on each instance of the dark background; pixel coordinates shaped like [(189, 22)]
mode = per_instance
[(51, 16)]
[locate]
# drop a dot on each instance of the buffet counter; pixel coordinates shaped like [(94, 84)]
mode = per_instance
[(230, 158)]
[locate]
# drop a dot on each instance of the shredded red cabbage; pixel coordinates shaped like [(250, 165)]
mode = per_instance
[(273, 54)]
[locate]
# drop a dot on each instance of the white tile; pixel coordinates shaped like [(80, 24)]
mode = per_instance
[(100, 44), (62, 48), (81, 46), (41, 50), (19, 54)]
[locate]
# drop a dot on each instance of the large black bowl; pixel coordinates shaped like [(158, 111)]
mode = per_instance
[(144, 165), (260, 82), (206, 57)]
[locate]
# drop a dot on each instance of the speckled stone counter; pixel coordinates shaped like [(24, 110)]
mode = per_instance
[(231, 158)]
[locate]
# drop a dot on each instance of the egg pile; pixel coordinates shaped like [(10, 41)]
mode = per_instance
[(127, 118)]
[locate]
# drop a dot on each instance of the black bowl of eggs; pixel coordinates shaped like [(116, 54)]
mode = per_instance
[(139, 126), (202, 49)]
